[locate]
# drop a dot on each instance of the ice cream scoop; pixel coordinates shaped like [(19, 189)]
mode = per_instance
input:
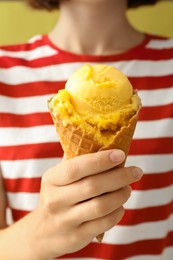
[(99, 99), (98, 89)]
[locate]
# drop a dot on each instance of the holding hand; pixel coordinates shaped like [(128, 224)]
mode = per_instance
[(81, 198)]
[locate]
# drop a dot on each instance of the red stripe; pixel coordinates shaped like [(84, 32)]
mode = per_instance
[(31, 89), (30, 151), (152, 82), (151, 146), (18, 214), (24, 46), (117, 252), (152, 214), (157, 54), (154, 181), (30, 185), (28, 120), (51, 150), (155, 113), (55, 59)]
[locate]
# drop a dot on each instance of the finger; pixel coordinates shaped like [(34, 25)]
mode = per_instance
[(96, 185), (98, 226), (106, 182), (85, 165), (100, 206)]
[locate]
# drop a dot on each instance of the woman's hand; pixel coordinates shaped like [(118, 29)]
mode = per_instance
[(80, 199)]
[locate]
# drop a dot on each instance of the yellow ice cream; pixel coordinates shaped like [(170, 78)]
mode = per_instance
[(99, 99), (98, 89)]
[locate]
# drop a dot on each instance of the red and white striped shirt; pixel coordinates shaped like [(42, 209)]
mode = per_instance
[(29, 75)]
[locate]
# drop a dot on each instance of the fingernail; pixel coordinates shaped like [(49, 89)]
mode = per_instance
[(117, 156), (137, 172)]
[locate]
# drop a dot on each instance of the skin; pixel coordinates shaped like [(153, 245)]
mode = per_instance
[(94, 27), (75, 201)]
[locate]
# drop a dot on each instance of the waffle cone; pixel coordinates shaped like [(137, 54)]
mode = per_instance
[(76, 141)]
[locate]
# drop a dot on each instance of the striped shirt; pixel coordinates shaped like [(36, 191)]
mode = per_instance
[(29, 75)]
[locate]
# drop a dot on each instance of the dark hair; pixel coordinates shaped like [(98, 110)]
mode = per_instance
[(44, 4), (54, 4)]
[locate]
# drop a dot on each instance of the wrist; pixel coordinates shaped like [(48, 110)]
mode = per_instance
[(18, 240)]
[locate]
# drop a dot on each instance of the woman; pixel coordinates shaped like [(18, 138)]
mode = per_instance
[(55, 223)]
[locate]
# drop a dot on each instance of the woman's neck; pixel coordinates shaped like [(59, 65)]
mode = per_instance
[(94, 28)]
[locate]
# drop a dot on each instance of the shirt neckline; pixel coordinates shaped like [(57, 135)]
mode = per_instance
[(129, 53)]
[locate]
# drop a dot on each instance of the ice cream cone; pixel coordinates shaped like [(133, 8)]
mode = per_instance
[(76, 142), (97, 110)]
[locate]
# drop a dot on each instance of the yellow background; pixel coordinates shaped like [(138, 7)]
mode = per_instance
[(18, 22)]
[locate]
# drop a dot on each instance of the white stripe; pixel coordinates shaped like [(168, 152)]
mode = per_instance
[(61, 72), (9, 217), (19, 74), (35, 38), (24, 105), (165, 255), (27, 168), (32, 135), (152, 163), (147, 68), (157, 97), (47, 133), (154, 129), (150, 198), (29, 55), (160, 44), (23, 200), (129, 234)]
